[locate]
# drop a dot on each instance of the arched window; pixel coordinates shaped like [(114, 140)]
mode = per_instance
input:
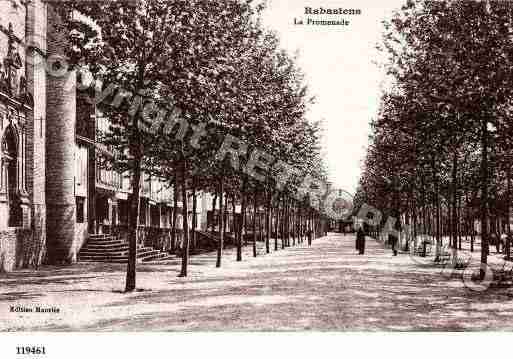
[(10, 156)]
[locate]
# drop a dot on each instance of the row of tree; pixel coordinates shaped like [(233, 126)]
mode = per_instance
[(440, 151), (223, 73)]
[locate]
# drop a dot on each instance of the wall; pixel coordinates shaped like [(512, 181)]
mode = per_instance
[(36, 125), (81, 189), (18, 249)]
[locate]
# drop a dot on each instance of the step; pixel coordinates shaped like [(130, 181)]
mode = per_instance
[(122, 253), (102, 258), (106, 239), (160, 258), (113, 250), (110, 260), (101, 237), (106, 243), (108, 246), (105, 250), (149, 254), (123, 259), (104, 254)]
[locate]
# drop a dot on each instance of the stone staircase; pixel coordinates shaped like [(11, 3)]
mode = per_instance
[(210, 240), (207, 240), (107, 248)]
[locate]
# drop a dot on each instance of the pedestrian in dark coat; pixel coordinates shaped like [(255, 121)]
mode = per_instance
[(357, 242), (393, 241), (507, 246), (498, 243), (360, 239)]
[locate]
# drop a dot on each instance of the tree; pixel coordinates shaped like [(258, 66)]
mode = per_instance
[(154, 55), (448, 63)]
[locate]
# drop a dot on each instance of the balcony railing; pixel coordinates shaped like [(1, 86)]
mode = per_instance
[(108, 178), (153, 188)]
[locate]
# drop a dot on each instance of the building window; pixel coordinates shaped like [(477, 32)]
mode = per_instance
[(80, 203), (10, 155), (142, 211), (155, 216), (123, 211)]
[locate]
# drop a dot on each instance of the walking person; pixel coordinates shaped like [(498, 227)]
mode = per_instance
[(393, 241), (507, 246), (498, 243), (360, 239), (357, 243)]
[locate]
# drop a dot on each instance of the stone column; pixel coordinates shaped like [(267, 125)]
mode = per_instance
[(60, 147)]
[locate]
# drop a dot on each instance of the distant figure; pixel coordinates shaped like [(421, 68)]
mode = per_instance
[(393, 241), (507, 246), (498, 244), (357, 243), (360, 240)]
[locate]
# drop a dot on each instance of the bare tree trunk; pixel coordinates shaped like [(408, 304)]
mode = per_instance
[(438, 219), (294, 224), (508, 201), (454, 205), (287, 223), (260, 227), (185, 219), (221, 224), (194, 215), (214, 202), (225, 215), (310, 226), (175, 210), (268, 221), (298, 220), (458, 221), (484, 197), (234, 230), (276, 222), (424, 220), (407, 221), (254, 222), (472, 236), (415, 223), (132, 227), (282, 222), (242, 228), (470, 221)]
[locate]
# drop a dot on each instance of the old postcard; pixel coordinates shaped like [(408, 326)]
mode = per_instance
[(273, 165)]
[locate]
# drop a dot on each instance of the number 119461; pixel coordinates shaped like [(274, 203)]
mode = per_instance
[(30, 350)]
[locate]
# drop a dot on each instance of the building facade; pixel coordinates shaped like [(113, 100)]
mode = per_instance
[(22, 134), (54, 191)]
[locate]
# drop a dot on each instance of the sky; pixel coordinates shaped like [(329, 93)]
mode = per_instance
[(340, 73)]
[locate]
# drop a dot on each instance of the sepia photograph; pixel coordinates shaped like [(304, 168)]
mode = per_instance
[(242, 166)]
